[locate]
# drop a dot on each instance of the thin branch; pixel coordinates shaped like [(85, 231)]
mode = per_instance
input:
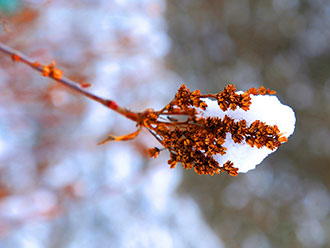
[(20, 57), (155, 135)]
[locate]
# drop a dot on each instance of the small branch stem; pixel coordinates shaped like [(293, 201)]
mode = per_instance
[(70, 84), (208, 95), (156, 137), (175, 113)]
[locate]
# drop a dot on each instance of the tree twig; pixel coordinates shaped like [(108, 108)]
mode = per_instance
[(20, 57)]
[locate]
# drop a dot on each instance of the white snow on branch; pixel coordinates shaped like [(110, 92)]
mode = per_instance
[(266, 108)]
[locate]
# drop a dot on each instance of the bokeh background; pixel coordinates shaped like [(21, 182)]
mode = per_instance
[(59, 189)]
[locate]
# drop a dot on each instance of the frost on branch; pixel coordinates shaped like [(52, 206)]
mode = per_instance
[(226, 132)]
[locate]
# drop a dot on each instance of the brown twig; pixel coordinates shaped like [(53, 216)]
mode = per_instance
[(20, 57)]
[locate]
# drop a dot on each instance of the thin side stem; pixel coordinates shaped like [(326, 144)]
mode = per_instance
[(208, 95), (69, 83)]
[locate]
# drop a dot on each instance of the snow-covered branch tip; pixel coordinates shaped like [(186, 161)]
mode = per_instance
[(231, 131)]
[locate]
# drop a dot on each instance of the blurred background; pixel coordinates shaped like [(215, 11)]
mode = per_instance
[(59, 189)]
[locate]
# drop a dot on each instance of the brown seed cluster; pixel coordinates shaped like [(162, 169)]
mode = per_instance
[(261, 91), (185, 101), (194, 140), (229, 168), (228, 98), (154, 152)]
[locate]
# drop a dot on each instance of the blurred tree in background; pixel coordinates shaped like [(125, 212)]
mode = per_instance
[(59, 189)]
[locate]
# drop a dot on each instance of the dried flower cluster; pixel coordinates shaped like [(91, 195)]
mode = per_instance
[(194, 140), (191, 131)]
